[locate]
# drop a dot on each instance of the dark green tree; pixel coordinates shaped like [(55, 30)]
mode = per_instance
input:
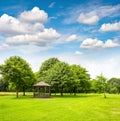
[(81, 78), (59, 76), (3, 85), (114, 85)]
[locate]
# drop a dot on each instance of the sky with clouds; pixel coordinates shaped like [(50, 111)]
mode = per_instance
[(85, 32)]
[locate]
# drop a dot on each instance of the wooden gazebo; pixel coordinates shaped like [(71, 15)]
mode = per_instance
[(42, 89)]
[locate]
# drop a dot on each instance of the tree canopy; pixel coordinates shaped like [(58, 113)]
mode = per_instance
[(114, 85), (17, 74), (62, 76), (17, 70)]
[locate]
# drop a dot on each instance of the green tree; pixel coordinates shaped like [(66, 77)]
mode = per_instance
[(3, 85), (95, 86), (59, 76), (17, 71), (81, 78), (45, 67), (114, 85), (103, 83)]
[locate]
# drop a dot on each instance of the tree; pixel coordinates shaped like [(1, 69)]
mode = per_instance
[(103, 83), (95, 86), (114, 85), (81, 78), (59, 76), (17, 71), (3, 85), (45, 67)]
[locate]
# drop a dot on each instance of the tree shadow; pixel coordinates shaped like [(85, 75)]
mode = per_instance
[(77, 95)]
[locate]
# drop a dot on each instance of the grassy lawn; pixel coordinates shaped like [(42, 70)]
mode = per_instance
[(83, 107)]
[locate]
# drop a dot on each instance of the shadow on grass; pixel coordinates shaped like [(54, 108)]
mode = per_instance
[(65, 95), (77, 96)]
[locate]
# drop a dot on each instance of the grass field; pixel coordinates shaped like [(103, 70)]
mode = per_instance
[(83, 107)]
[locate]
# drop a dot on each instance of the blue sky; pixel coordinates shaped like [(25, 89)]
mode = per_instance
[(85, 32)]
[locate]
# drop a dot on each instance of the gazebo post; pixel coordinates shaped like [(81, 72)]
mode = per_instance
[(34, 92), (39, 91), (45, 89), (49, 91)]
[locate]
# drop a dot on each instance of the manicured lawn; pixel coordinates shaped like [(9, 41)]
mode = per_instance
[(83, 107)]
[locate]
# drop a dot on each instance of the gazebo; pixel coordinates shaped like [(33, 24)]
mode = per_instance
[(42, 89)]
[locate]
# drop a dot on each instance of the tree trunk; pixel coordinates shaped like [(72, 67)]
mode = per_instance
[(17, 93), (104, 92), (104, 95), (62, 91), (23, 91), (74, 91), (55, 92)]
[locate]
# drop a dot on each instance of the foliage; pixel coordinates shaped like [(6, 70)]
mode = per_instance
[(59, 76), (64, 77), (3, 85), (99, 84), (80, 78), (17, 74), (46, 65), (114, 85), (17, 71)]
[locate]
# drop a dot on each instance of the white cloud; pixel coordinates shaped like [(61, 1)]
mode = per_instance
[(13, 26), (40, 38), (109, 11), (88, 19), (92, 14), (4, 46), (110, 27), (51, 5), (72, 38), (28, 28), (110, 43), (78, 53), (90, 43), (29, 22), (35, 15)]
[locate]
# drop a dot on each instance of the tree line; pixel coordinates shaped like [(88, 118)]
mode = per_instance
[(17, 75)]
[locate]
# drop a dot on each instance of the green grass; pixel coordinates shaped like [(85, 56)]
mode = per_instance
[(83, 107)]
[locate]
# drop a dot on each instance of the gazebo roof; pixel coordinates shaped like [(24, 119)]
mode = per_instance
[(42, 84)]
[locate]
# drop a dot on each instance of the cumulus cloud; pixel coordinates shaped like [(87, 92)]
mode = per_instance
[(90, 43), (78, 53), (35, 15), (29, 22), (88, 19), (93, 14), (72, 38), (111, 43), (40, 38), (28, 28), (13, 26), (110, 27)]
